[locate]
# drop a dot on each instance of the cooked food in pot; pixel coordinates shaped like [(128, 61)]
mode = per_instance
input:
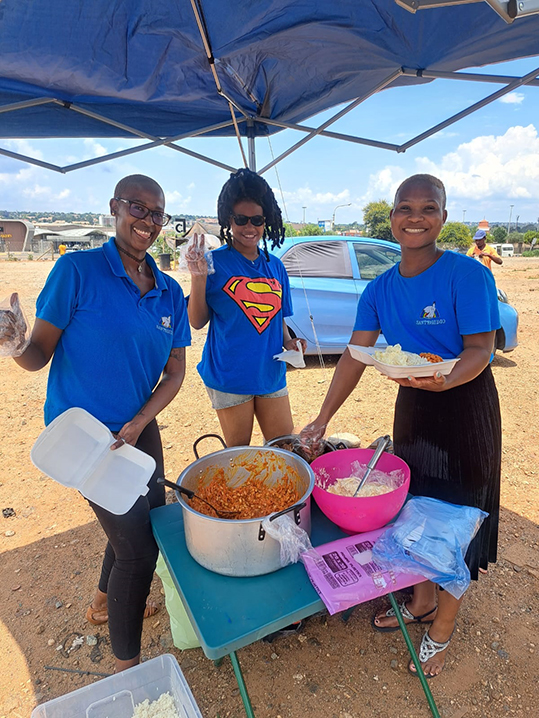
[(260, 488)]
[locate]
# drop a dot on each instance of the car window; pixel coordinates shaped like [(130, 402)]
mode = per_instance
[(318, 259), (373, 259)]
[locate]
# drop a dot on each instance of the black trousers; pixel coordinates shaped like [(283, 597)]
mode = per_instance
[(131, 555)]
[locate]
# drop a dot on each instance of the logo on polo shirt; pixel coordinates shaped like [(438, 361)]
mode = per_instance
[(430, 315), (165, 325), (260, 299)]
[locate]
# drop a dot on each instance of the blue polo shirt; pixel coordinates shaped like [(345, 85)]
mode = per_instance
[(432, 311), (114, 343)]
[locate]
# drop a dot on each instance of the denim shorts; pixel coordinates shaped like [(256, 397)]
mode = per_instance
[(223, 400)]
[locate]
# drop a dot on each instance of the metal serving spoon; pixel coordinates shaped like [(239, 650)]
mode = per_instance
[(191, 494), (384, 441)]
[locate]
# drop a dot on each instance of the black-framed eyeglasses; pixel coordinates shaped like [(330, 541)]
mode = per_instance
[(140, 211), (257, 220)]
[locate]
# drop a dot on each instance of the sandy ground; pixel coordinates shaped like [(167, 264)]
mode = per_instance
[(51, 554)]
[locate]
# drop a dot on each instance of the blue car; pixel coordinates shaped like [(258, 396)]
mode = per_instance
[(327, 276)]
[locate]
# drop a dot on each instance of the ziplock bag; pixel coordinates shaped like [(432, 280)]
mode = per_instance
[(431, 537)]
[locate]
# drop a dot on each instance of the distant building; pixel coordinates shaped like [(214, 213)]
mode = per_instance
[(483, 224), (15, 235), (106, 220)]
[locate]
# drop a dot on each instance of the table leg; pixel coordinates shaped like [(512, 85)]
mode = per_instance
[(241, 684), (415, 659)]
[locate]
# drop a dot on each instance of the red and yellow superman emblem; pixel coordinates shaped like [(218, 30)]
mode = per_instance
[(260, 299)]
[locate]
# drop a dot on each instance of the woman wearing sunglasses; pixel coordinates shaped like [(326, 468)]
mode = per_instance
[(245, 302), (116, 329)]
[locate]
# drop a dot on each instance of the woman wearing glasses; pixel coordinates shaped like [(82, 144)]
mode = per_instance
[(116, 329), (245, 302)]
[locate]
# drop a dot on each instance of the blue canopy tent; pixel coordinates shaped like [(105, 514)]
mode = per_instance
[(166, 70)]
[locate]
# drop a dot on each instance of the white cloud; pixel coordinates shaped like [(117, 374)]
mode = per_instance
[(176, 203), (482, 171), (94, 148), (513, 98)]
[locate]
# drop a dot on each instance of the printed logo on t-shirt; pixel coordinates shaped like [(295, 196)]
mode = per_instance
[(430, 315), (260, 299), (165, 325)]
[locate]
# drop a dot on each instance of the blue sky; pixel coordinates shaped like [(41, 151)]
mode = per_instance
[(489, 160)]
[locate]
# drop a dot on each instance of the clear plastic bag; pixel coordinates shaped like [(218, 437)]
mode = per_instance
[(430, 538), (196, 257), (14, 330), (293, 539)]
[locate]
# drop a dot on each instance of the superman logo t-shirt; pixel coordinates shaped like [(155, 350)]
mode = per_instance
[(248, 301)]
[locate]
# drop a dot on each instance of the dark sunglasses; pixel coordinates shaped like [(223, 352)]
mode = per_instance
[(257, 220), (141, 212)]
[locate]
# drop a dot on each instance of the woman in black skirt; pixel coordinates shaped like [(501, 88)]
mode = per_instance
[(446, 428)]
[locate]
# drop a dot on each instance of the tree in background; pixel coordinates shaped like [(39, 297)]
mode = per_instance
[(528, 236), (376, 219), (289, 231), (455, 234), (309, 230), (514, 238), (499, 234)]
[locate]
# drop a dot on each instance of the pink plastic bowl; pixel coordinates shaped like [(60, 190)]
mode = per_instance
[(364, 513)]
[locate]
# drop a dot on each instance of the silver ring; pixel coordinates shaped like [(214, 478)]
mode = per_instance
[(122, 438)]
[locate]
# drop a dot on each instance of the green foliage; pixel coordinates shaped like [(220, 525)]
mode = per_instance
[(289, 231), (528, 236), (376, 219), (531, 253), (309, 230), (514, 238), (499, 234), (455, 234), (30, 257)]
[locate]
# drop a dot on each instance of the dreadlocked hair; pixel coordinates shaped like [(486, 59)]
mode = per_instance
[(248, 185)]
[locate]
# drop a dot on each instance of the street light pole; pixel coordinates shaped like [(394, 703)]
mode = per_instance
[(336, 208), (304, 208), (463, 215), (510, 215)]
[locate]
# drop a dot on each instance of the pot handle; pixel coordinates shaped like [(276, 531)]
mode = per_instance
[(207, 436), (297, 518), (177, 487)]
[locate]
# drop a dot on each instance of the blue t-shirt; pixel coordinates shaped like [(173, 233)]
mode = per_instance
[(247, 302), (431, 312), (114, 343)]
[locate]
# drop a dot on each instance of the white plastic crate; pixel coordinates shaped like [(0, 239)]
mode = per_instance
[(117, 695)]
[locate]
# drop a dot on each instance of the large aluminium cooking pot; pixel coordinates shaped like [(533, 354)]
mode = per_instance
[(240, 547)]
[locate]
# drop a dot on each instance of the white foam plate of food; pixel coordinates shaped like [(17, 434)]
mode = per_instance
[(384, 360)]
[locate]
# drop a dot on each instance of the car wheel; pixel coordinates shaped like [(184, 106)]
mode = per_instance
[(500, 340)]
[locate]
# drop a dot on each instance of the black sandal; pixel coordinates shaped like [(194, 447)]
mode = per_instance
[(405, 613)]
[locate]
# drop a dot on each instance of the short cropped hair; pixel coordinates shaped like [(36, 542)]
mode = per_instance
[(137, 181), (424, 179)]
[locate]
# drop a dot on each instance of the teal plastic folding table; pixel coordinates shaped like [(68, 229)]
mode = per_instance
[(230, 613)]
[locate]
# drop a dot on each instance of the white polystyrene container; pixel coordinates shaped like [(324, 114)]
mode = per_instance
[(74, 450), (117, 695)]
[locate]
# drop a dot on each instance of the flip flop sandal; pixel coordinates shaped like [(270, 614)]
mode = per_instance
[(428, 649), (150, 610), (405, 613)]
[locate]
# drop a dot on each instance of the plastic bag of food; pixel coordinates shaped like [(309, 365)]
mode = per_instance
[(14, 331), (431, 537), (293, 539), (196, 257)]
